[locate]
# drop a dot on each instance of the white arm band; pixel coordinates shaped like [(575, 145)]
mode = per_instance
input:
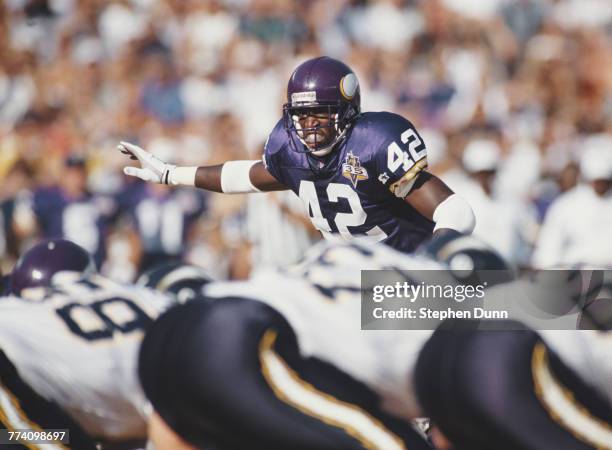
[(235, 177), (454, 213)]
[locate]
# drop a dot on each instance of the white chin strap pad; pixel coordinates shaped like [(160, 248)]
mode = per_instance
[(235, 178), (323, 151), (455, 213)]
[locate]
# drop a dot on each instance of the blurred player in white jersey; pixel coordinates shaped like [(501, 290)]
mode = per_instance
[(73, 337), (280, 361), (23, 410)]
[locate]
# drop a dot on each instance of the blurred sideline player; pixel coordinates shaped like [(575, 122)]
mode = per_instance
[(358, 174), (73, 337), (518, 390), (280, 361)]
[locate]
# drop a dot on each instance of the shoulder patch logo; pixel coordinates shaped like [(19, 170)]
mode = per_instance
[(353, 170), (383, 178)]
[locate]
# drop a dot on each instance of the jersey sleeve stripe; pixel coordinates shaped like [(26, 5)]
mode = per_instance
[(563, 408), (410, 174), (291, 389), (14, 418)]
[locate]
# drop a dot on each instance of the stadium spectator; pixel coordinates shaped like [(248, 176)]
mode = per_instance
[(73, 76), (504, 223), (576, 229), (278, 229)]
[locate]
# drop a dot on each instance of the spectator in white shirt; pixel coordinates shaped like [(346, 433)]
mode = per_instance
[(500, 222), (577, 229), (278, 229)]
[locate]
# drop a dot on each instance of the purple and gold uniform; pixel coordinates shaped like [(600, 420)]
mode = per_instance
[(359, 188)]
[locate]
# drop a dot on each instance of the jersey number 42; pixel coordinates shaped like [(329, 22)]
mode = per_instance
[(335, 191)]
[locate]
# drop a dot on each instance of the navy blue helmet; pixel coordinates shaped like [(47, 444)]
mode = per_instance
[(183, 280), (326, 86), (38, 266)]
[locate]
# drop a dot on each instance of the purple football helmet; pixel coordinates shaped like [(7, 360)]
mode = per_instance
[(323, 86), (38, 265)]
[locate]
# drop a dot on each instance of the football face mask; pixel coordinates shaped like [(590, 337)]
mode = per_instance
[(322, 101)]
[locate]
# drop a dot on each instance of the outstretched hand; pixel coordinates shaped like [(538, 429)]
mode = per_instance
[(151, 168)]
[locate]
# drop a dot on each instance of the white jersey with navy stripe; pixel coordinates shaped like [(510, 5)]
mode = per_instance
[(77, 345), (321, 300), (588, 353)]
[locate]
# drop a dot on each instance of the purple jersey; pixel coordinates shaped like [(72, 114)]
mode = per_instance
[(360, 191), (84, 219)]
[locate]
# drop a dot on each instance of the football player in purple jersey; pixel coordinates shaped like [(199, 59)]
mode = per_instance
[(358, 174)]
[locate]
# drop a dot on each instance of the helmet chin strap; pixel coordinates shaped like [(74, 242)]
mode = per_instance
[(329, 147), (326, 150)]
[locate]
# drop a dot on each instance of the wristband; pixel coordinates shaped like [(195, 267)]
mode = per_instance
[(182, 176)]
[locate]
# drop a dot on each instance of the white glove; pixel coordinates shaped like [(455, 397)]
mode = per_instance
[(151, 168)]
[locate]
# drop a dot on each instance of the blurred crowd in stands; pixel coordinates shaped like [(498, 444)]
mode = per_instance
[(512, 97)]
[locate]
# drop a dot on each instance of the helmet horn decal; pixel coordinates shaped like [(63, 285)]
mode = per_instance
[(348, 86)]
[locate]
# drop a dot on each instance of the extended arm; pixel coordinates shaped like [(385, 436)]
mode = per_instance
[(237, 177), (438, 203), (232, 177)]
